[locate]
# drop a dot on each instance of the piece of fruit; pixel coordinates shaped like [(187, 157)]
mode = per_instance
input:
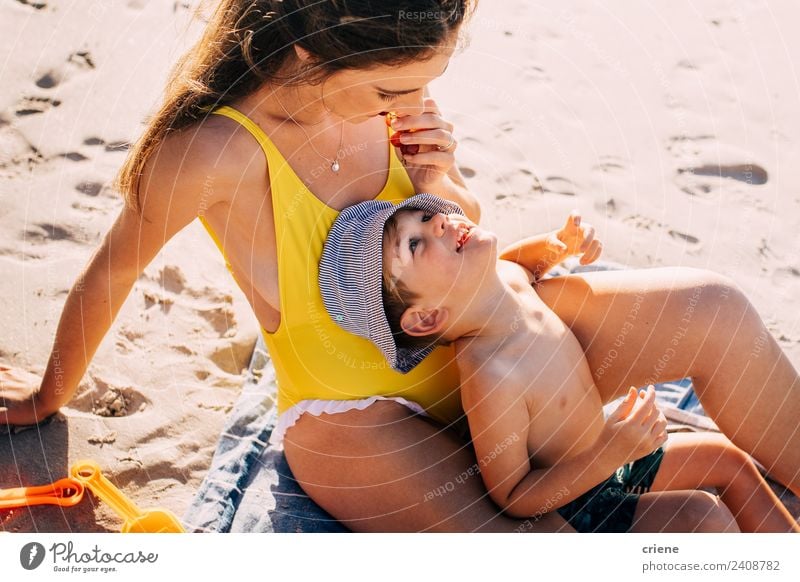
[(408, 149)]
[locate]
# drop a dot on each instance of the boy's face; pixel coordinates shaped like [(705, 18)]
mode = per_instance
[(438, 256)]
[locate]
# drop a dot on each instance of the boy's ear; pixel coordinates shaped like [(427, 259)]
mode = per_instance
[(420, 322)]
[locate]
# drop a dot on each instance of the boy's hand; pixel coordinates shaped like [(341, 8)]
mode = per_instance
[(19, 402), (635, 429), (574, 239)]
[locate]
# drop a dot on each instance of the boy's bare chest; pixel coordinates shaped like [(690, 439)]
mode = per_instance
[(564, 405)]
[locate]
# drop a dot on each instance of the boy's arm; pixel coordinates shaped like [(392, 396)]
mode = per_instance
[(535, 253), (498, 421), (542, 252)]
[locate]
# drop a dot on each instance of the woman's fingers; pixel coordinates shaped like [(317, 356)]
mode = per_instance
[(431, 137), (419, 123), (442, 159)]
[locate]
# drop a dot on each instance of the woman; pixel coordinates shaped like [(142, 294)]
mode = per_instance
[(317, 77)]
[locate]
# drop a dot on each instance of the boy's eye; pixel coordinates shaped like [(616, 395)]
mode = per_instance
[(412, 244), (426, 217), (386, 96)]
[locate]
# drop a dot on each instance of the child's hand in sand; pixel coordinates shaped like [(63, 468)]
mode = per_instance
[(18, 397), (575, 239), (635, 429)]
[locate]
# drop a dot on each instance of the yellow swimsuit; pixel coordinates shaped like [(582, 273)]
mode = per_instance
[(316, 360)]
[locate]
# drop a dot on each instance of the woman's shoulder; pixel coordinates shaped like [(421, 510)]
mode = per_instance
[(216, 151)]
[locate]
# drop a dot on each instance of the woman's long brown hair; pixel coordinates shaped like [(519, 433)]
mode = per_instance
[(247, 42)]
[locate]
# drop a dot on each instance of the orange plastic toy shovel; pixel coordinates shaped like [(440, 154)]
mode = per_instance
[(64, 492), (136, 520)]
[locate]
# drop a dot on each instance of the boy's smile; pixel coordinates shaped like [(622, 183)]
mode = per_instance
[(435, 255)]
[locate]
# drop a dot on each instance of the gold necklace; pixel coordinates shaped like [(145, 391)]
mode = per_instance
[(334, 163)]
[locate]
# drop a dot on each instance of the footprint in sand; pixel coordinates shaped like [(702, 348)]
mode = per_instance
[(609, 206), (467, 172), (507, 126), (157, 298), (558, 185), (163, 289), (687, 147), (37, 5), (73, 156), (113, 146), (16, 150), (169, 289), (77, 61), (535, 73), (609, 164), (118, 146), (172, 279), (684, 237), (646, 223), (47, 81), (536, 184), (89, 188), (786, 276), (34, 105), (81, 59), (44, 233), (751, 174), (642, 222), (705, 180), (221, 318), (703, 163)]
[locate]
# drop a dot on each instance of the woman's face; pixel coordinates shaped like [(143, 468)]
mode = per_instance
[(359, 95)]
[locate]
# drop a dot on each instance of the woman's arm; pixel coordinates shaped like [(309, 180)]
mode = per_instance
[(169, 199), (453, 188)]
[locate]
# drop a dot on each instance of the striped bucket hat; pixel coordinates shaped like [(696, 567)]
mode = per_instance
[(351, 273)]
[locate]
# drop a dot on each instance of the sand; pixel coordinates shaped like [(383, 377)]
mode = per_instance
[(674, 129)]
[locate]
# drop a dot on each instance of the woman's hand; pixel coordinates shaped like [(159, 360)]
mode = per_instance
[(574, 239), (435, 144), (19, 403), (635, 429)]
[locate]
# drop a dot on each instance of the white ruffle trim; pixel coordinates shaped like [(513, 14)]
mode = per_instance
[(317, 407)]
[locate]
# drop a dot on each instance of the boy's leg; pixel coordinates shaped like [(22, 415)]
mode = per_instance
[(383, 469), (695, 460), (644, 326), (682, 512)]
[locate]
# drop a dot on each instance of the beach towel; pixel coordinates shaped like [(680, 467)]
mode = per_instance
[(250, 488)]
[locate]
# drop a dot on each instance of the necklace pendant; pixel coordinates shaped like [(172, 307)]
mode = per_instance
[(335, 166)]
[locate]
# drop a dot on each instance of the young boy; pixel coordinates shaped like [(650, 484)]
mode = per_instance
[(410, 276)]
